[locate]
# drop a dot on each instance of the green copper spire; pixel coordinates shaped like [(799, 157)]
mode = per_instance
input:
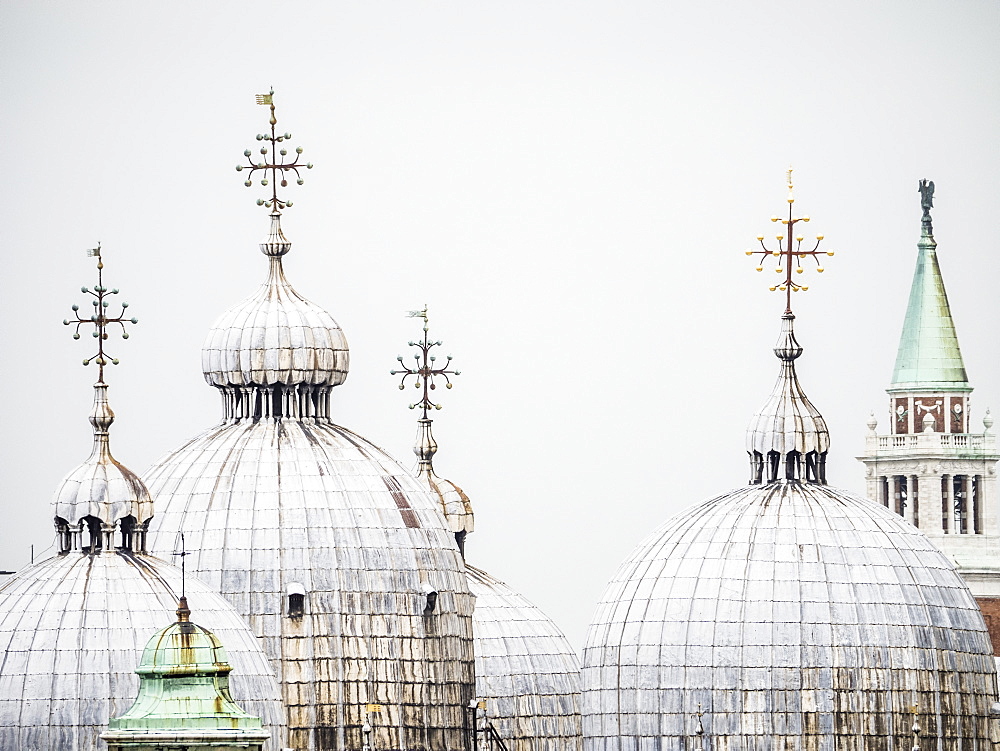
[(184, 699), (929, 357)]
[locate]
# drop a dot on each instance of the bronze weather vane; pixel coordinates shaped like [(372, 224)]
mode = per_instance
[(425, 368), (100, 319), (272, 168), (790, 253)]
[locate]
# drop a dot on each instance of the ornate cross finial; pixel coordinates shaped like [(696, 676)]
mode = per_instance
[(100, 319), (274, 166), (424, 369), (790, 256)]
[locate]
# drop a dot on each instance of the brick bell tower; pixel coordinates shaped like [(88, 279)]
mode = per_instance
[(931, 468)]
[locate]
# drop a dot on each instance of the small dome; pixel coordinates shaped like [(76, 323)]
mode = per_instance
[(276, 336), (797, 616), (72, 629), (184, 648), (101, 487), (526, 671), (788, 430), (184, 695)]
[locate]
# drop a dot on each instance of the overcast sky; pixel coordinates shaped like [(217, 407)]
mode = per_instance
[(569, 186)]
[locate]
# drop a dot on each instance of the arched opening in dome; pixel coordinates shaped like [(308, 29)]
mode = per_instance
[(64, 535), (132, 534), (94, 535)]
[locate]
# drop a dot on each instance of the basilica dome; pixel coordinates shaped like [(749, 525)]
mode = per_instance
[(787, 614), (526, 672), (72, 629), (338, 558)]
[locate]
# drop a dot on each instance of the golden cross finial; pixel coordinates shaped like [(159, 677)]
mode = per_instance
[(789, 253), (424, 369), (273, 166), (100, 318)]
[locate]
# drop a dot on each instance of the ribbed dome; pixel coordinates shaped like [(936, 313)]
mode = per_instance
[(798, 617), (344, 565), (102, 487), (788, 430), (525, 670), (276, 336), (72, 630)]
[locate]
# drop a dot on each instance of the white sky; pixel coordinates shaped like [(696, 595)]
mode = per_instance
[(570, 186)]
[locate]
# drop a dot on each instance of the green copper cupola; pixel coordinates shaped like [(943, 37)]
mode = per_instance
[(929, 358), (184, 702)]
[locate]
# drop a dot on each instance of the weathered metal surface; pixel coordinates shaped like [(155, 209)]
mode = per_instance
[(276, 336), (788, 436), (72, 630), (526, 671), (799, 616), (101, 487), (184, 699)]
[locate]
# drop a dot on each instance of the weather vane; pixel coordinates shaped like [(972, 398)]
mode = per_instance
[(100, 319), (274, 166), (424, 370), (790, 256)]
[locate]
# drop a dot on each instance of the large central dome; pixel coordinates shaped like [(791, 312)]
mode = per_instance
[(339, 559)]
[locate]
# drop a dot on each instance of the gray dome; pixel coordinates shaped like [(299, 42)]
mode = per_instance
[(342, 562), (798, 617), (525, 670), (275, 336), (788, 421), (72, 631), (101, 487)]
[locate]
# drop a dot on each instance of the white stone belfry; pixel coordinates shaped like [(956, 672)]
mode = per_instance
[(932, 467)]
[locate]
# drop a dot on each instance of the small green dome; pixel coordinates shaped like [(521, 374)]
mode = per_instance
[(184, 694), (184, 648)]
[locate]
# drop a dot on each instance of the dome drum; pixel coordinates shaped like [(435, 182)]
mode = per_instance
[(91, 535), (297, 401)]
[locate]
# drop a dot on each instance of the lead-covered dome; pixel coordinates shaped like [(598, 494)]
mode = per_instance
[(72, 630), (797, 616), (526, 671), (338, 558), (275, 337)]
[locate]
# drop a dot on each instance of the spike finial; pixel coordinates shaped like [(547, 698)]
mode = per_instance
[(425, 369), (100, 319), (182, 554), (790, 253), (274, 161)]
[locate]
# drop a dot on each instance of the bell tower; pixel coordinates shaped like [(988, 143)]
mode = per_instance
[(933, 467)]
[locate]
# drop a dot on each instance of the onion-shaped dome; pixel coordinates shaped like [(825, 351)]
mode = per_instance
[(797, 616), (526, 671), (101, 489), (72, 629), (276, 339), (792, 615), (788, 432), (184, 697), (339, 559)]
